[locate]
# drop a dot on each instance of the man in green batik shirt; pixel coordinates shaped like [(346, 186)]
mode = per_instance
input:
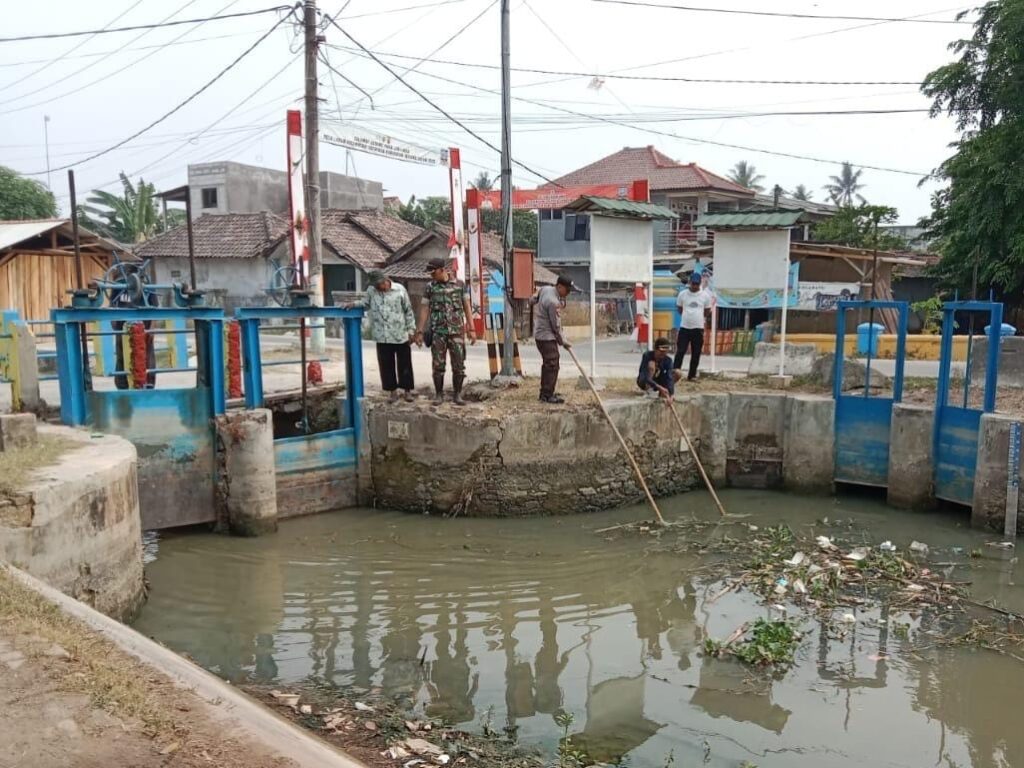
[(446, 314)]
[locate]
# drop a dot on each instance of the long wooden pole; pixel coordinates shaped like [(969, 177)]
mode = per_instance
[(622, 441), (696, 458)]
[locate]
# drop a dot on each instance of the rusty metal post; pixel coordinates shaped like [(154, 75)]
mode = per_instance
[(191, 245), (79, 275)]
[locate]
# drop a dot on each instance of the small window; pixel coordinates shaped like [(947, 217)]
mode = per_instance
[(556, 214), (577, 226), (175, 273), (209, 197), (545, 215)]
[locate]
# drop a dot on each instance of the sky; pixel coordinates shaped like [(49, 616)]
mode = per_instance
[(99, 90)]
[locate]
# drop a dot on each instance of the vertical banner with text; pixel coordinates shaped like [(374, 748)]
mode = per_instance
[(477, 294), (298, 224), (457, 241)]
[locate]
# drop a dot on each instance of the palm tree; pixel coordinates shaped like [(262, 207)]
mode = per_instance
[(746, 175), (483, 182), (130, 218), (801, 193), (844, 189)]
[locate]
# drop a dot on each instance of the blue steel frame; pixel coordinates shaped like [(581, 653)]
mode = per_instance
[(955, 433), (862, 422), (249, 321), (69, 325)]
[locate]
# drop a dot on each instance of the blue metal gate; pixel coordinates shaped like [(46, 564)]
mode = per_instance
[(957, 410), (862, 421)]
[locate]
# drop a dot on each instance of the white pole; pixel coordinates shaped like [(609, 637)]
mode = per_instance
[(785, 311), (714, 333), (593, 322)]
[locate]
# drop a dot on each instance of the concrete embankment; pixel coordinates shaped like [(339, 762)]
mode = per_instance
[(74, 523), (560, 461)]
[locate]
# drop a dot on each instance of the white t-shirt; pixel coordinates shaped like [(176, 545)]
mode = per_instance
[(692, 304)]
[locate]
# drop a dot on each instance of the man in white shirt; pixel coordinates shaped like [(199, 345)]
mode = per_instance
[(695, 305)]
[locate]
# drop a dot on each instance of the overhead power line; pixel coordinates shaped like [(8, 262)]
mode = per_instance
[(107, 31), (669, 134), (433, 104), (779, 14), (658, 78), (390, 11), (177, 107)]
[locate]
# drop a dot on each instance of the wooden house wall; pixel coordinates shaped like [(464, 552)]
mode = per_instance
[(34, 283)]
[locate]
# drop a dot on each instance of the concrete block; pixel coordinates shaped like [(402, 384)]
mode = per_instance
[(710, 413), (17, 430), (989, 507), (247, 471), (780, 382), (28, 368), (1011, 360), (854, 373), (755, 440), (799, 359), (911, 469), (808, 453)]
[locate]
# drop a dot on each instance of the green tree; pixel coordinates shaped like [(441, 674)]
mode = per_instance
[(845, 188), (483, 182), (23, 198), (861, 227), (131, 217), (524, 226), (746, 175), (801, 193), (426, 212), (976, 217), (438, 210)]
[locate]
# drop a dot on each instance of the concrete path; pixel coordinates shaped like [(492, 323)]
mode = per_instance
[(617, 357)]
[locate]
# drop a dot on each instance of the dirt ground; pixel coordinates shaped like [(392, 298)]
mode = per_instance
[(70, 699)]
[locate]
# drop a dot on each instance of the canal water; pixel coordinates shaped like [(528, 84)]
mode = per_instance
[(512, 621)]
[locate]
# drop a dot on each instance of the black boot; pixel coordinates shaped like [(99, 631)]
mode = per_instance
[(438, 388), (457, 389)]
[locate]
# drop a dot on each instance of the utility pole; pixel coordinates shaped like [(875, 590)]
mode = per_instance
[(315, 286), (507, 360)]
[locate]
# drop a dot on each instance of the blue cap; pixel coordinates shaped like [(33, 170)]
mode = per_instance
[(695, 277)]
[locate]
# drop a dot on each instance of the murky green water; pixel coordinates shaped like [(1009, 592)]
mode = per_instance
[(517, 620)]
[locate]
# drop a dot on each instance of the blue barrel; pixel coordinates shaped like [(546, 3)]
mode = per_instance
[(1004, 330), (867, 337)]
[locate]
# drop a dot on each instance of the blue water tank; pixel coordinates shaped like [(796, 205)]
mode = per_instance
[(1004, 330), (867, 336)]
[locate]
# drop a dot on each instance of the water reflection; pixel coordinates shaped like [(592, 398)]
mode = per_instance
[(517, 621)]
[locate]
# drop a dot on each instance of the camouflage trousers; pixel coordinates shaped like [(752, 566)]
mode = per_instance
[(454, 346)]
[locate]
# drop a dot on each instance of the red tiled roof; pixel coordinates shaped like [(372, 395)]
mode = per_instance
[(219, 236), (664, 173)]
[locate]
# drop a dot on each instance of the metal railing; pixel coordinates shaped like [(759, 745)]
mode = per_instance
[(682, 239)]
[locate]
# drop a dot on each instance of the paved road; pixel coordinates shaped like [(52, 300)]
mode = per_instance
[(617, 358)]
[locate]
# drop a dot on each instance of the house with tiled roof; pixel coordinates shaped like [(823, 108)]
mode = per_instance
[(687, 189), (237, 254)]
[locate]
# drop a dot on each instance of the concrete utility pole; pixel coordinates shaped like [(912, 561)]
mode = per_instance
[(507, 360), (315, 286)]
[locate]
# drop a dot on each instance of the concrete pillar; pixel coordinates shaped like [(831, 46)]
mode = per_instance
[(364, 458), (248, 480), (713, 434), (911, 466), (808, 449), (989, 507), (28, 368)]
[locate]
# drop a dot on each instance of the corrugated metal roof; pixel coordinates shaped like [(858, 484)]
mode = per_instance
[(14, 232), (622, 208), (749, 219)]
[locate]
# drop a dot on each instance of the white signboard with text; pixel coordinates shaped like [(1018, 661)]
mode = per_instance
[(748, 260)]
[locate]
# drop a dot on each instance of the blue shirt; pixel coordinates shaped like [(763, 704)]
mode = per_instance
[(662, 373)]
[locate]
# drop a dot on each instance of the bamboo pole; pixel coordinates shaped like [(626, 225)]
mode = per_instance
[(622, 441), (696, 458)]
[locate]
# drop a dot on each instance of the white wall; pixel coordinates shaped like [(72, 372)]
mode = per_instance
[(621, 249), (748, 260)]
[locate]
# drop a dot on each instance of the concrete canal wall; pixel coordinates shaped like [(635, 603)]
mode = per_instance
[(75, 524), (568, 460)]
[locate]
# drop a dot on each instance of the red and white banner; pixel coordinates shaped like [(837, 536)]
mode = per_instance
[(457, 241), (553, 198), (477, 292), (642, 328), (298, 221)]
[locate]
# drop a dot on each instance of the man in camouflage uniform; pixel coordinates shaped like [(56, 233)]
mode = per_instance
[(445, 311)]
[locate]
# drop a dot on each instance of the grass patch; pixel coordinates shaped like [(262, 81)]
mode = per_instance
[(17, 466), (96, 667)]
